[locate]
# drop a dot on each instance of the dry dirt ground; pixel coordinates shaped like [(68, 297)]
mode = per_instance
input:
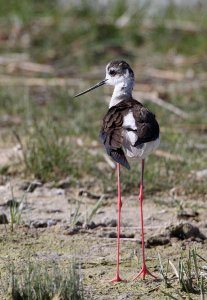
[(49, 215)]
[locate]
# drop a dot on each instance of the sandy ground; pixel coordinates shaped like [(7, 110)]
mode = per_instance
[(94, 248), (49, 233)]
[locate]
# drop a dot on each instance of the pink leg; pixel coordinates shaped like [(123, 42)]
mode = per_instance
[(144, 271), (119, 205)]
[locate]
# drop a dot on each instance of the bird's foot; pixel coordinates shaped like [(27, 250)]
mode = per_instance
[(143, 272), (117, 278)]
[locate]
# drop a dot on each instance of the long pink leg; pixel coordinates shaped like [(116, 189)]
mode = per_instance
[(144, 271), (119, 205)]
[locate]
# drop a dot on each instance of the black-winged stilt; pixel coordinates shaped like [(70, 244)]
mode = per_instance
[(129, 129)]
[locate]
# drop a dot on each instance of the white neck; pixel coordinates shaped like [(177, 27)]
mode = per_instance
[(121, 89)]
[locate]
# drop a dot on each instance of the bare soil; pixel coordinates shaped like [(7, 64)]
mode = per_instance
[(47, 232)]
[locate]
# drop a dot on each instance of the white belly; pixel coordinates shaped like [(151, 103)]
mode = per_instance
[(130, 138), (141, 151)]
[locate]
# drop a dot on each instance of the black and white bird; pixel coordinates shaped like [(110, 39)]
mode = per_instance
[(129, 130)]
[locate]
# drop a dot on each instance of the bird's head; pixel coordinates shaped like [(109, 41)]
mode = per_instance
[(117, 72)]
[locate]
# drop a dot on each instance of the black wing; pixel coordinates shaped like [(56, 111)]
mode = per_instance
[(111, 136)]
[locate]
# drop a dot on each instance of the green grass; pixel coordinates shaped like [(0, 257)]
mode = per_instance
[(49, 130), (184, 41), (50, 121), (188, 274), (15, 210), (43, 282), (95, 29)]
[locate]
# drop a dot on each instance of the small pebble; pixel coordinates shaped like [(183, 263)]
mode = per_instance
[(184, 231), (79, 224), (39, 224), (51, 223), (3, 219), (72, 231), (158, 240)]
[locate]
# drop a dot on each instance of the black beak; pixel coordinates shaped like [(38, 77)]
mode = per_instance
[(92, 88)]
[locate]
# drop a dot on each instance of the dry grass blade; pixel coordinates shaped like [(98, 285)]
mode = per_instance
[(161, 266), (76, 214), (31, 67), (165, 74), (163, 273), (174, 268), (168, 155), (94, 209), (152, 97), (177, 25), (201, 257), (194, 255), (169, 295), (34, 81), (202, 289)]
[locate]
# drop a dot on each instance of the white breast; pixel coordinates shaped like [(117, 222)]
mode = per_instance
[(129, 121)]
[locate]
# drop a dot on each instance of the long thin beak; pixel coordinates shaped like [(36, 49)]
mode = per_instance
[(92, 88)]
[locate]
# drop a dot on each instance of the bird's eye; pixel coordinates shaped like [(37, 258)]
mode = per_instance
[(112, 72)]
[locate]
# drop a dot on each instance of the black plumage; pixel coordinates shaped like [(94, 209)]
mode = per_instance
[(112, 131)]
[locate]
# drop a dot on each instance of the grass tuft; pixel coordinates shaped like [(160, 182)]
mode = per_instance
[(15, 208), (46, 154), (44, 282)]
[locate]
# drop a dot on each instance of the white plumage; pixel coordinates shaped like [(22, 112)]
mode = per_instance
[(129, 121), (130, 138)]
